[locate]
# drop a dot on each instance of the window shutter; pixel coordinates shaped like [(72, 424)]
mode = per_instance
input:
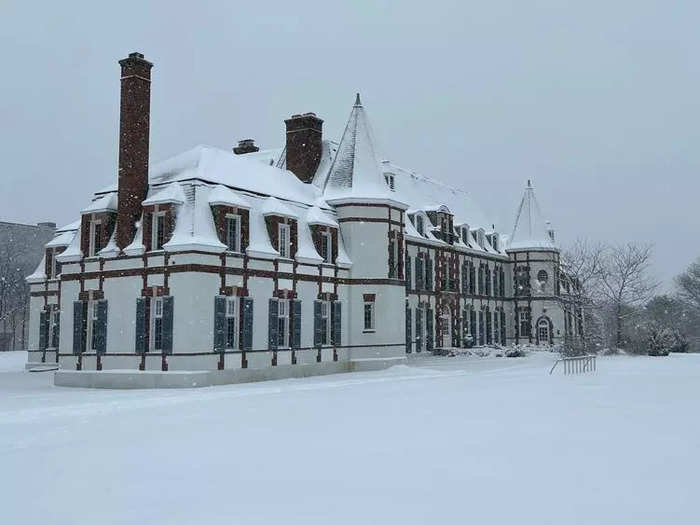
[(141, 325), (219, 323), (409, 344), (481, 328), (429, 274), (101, 327), (465, 327), (247, 323), (296, 323), (337, 315), (503, 327), (318, 335), (419, 274), (56, 335), (472, 324), (408, 272), (78, 327), (429, 329), (43, 329), (464, 279), (168, 324), (419, 330), (392, 262), (272, 324)]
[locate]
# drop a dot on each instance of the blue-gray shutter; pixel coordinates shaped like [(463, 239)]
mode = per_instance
[(409, 343), (101, 327), (296, 323), (141, 325), (43, 330), (481, 328), (408, 271), (465, 279), (219, 323), (503, 327), (420, 275), (247, 323), (56, 335), (428, 274), (337, 317), (419, 330), (472, 324), (318, 335), (429, 329), (168, 303), (465, 327), (272, 322), (79, 327)]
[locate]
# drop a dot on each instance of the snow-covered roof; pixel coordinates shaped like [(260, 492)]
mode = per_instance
[(221, 195), (530, 230), (170, 194), (273, 206), (73, 226), (62, 239), (217, 166), (315, 216), (103, 203), (355, 172)]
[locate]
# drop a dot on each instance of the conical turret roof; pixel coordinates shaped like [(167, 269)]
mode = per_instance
[(355, 173), (530, 229)]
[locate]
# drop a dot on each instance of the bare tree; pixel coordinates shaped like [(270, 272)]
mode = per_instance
[(582, 266), (688, 285), (625, 281)]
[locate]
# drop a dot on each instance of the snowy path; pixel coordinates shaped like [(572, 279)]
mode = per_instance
[(445, 439)]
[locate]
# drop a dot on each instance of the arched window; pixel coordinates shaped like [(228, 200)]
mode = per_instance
[(542, 276)]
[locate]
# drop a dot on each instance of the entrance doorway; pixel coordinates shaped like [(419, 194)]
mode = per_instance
[(543, 331)]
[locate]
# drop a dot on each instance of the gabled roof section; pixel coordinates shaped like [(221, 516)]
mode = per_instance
[(104, 203), (530, 230), (223, 196), (171, 194), (355, 172)]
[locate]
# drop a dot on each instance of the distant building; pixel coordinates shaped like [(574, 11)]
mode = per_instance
[(21, 249), (315, 246)]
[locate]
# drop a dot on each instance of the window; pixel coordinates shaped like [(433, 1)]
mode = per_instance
[(394, 259), (389, 179), (327, 247), (465, 235), (231, 322), (54, 321), (524, 317), (480, 238), (369, 315), (419, 224), (157, 324), (542, 277), (283, 240), (233, 232), (283, 323), (95, 238), (50, 264), (158, 231), (494, 241), (325, 321)]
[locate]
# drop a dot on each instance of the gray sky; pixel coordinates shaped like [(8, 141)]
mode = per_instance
[(596, 101)]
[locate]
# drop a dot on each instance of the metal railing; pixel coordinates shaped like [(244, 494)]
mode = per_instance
[(576, 365)]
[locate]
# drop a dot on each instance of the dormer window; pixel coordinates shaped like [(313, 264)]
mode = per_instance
[(233, 232), (494, 241), (420, 227), (283, 236), (95, 238), (480, 238), (465, 235), (158, 231), (389, 179), (327, 247)]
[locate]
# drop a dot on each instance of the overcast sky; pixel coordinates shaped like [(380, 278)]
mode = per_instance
[(596, 101)]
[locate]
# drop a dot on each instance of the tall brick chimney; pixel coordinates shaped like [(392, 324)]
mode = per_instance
[(304, 134), (134, 118)]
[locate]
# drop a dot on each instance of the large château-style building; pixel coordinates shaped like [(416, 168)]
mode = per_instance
[(310, 253)]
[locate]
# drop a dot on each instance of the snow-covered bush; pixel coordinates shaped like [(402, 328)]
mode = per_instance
[(659, 339)]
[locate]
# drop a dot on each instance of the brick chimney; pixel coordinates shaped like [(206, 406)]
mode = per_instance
[(245, 146), (304, 134), (134, 118)]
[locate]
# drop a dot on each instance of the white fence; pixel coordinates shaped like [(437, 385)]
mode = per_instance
[(576, 365)]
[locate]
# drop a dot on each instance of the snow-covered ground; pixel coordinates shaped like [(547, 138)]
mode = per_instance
[(444, 440)]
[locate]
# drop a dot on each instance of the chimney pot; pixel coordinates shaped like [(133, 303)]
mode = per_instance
[(245, 146)]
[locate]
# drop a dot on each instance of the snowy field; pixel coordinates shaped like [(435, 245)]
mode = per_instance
[(445, 440)]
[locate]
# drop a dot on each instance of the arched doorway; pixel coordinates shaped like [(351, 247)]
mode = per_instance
[(544, 331)]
